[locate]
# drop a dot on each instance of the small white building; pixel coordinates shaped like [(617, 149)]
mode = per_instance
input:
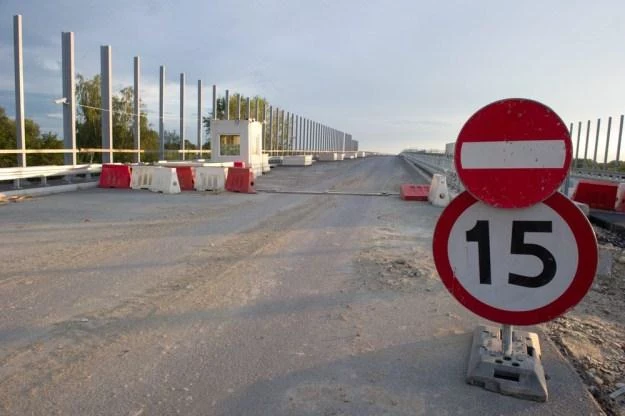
[(449, 149), (238, 140)]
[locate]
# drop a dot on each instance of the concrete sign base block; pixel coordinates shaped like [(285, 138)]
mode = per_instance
[(520, 375)]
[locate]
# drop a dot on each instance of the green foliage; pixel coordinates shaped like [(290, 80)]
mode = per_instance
[(89, 123), (263, 106), (34, 140)]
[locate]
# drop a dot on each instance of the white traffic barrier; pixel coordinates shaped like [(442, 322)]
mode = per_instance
[(620, 198), (439, 193), (141, 177), (300, 160), (210, 178), (326, 157), (165, 180)]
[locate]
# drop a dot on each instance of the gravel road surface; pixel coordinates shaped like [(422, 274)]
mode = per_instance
[(118, 302)]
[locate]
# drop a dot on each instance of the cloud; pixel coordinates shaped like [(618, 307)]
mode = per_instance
[(55, 115)]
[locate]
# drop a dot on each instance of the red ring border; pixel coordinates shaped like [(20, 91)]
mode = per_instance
[(587, 263), (506, 204)]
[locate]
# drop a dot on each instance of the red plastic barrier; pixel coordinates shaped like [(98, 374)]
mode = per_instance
[(185, 178), (410, 192), (239, 164), (598, 195), (114, 176), (240, 180)]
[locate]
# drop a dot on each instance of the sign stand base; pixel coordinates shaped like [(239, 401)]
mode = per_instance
[(519, 373)]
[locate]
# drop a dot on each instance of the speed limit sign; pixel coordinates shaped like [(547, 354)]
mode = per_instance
[(515, 266)]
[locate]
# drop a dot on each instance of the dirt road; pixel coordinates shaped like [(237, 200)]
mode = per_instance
[(120, 302)]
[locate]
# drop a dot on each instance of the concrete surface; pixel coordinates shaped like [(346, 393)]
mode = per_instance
[(118, 302)]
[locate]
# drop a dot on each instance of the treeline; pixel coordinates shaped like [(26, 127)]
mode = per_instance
[(591, 164), (34, 140), (89, 128)]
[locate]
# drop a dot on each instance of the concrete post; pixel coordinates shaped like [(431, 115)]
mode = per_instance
[(618, 143), (285, 135), (161, 107), (594, 157), (199, 117), (587, 140), (308, 135), (214, 102), (227, 102), (238, 106), (18, 55), (276, 146), (298, 136), (579, 131), (292, 140), (182, 146), (269, 147), (607, 143), (137, 111), (107, 103), (69, 93)]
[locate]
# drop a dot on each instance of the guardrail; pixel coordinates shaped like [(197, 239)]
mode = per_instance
[(43, 172)]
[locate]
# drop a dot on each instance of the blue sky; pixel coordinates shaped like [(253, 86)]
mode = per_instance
[(395, 74)]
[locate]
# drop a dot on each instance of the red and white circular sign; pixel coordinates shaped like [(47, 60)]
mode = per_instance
[(517, 267), (513, 153)]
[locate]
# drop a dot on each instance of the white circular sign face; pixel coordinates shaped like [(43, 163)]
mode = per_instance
[(516, 259)]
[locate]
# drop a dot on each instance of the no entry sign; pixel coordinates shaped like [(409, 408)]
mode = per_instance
[(518, 267), (513, 153)]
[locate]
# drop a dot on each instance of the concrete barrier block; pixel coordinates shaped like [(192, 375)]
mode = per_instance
[(300, 160)]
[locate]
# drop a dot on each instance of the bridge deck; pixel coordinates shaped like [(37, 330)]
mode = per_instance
[(128, 302)]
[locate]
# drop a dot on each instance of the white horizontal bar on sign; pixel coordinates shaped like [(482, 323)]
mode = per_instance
[(506, 154)]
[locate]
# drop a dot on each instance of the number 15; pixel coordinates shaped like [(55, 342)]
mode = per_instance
[(480, 234)]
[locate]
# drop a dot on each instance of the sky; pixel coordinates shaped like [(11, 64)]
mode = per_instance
[(394, 74)]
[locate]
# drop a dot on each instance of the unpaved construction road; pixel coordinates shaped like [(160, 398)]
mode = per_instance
[(116, 302)]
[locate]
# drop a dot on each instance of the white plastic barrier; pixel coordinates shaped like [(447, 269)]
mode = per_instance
[(326, 157), (439, 193), (300, 160), (141, 177), (620, 198), (210, 178), (165, 180)]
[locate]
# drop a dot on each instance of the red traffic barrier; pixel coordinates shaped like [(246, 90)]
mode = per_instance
[(239, 164), (597, 194), (185, 178), (240, 180), (114, 176), (410, 192)]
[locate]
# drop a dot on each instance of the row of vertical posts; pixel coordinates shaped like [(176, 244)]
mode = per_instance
[(287, 133), (582, 161), (283, 133)]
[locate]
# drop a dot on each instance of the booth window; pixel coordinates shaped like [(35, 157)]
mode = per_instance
[(229, 145)]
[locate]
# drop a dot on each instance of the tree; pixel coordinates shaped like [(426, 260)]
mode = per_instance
[(263, 106), (34, 140), (89, 122)]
